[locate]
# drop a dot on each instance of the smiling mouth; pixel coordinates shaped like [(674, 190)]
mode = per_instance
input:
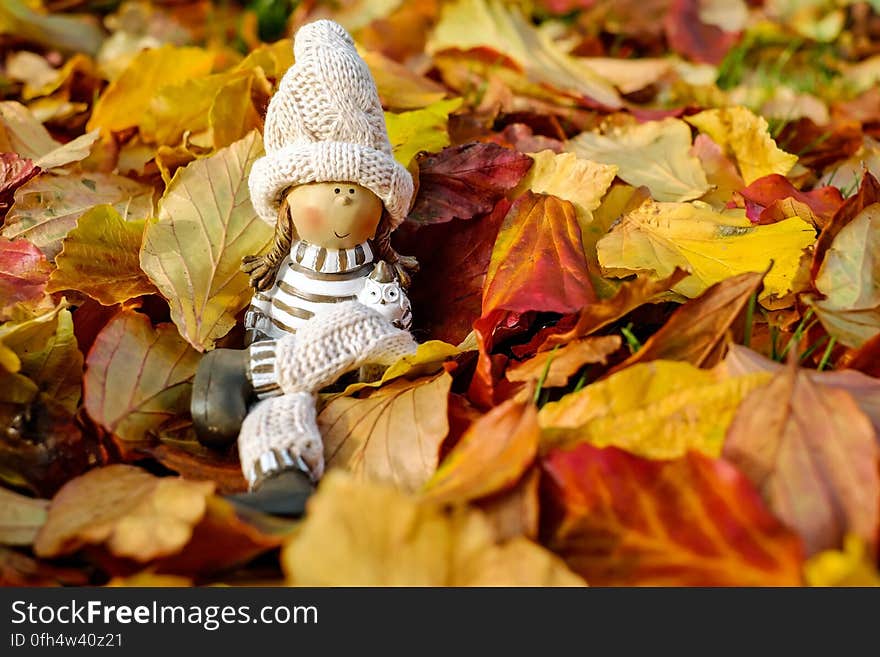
[(341, 236)]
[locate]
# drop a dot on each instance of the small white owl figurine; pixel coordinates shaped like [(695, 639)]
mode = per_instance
[(383, 292)]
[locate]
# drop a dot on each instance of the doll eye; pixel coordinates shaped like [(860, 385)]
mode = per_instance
[(392, 294), (337, 190), (351, 190), (374, 294)]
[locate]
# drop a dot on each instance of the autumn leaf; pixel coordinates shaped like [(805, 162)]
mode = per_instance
[(420, 130), (621, 520), (20, 518), (427, 360), (24, 273), (851, 566), (721, 172), (192, 253), (655, 154), (48, 207), (137, 376), (658, 237), (462, 182), (22, 133), (70, 33), (124, 102), (17, 569), (773, 198), (471, 25), (491, 456), (698, 331), (364, 534), (849, 279), (15, 171), (100, 257), (133, 517), (690, 35), (746, 136), (629, 296), (658, 410), (398, 86), (515, 512), (571, 178), (554, 367), (813, 455), (392, 436)]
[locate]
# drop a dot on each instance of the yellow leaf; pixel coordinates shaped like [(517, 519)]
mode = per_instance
[(398, 86), (851, 566), (273, 58), (420, 130), (475, 24), (427, 360), (25, 135), (655, 154), (394, 435), (657, 410), (20, 518), (365, 534), (100, 258), (850, 280), (658, 237), (569, 177), (124, 102), (491, 456), (193, 252), (747, 137), (232, 115)]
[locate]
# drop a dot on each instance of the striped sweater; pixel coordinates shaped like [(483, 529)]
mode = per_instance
[(310, 277)]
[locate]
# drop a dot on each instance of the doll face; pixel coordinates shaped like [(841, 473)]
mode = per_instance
[(336, 215)]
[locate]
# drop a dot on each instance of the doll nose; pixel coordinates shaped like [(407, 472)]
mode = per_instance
[(344, 200)]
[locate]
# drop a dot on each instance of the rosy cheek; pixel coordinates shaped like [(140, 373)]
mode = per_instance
[(313, 217)]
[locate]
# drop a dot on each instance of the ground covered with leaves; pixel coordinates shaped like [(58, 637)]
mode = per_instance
[(648, 306)]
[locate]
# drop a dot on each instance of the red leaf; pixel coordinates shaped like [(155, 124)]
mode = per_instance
[(618, 519), (15, 171), (462, 182), (691, 37), (24, 272), (763, 195)]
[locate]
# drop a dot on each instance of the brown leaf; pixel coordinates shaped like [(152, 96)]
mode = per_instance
[(697, 331), (18, 569), (813, 456), (492, 455), (461, 182), (565, 361), (515, 512), (129, 517), (601, 313), (192, 461), (688, 35), (619, 520), (137, 376), (868, 194), (864, 359), (393, 436)]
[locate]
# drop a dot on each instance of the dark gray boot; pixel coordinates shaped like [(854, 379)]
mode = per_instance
[(221, 395)]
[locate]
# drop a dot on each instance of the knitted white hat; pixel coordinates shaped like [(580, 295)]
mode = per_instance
[(325, 124)]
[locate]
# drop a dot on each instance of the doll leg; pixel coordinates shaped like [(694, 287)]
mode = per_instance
[(221, 395), (281, 454)]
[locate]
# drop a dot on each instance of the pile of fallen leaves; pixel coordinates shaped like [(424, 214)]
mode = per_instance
[(648, 304)]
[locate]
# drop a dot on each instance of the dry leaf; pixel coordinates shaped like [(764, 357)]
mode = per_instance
[(747, 137), (364, 534), (20, 518), (193, 252), (657, 410), (100, 257), (813, 456), (696, 521), (491, 456), (393, 436), (655, 154), (137, 376), (563, 363), (24, 273)]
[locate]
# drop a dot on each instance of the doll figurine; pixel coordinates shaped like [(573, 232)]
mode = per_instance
[(330, 294)]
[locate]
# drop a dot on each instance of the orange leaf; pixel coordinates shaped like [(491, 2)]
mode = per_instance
[(491, 456), (566, 361), (630, 296), (618, 519), (813, 455), (696, 332)]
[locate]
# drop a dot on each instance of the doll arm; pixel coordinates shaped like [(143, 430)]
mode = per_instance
[(337, 341)]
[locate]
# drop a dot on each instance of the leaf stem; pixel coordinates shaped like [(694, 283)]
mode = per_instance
[(827, 355), (537, 396), (631, 340)]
